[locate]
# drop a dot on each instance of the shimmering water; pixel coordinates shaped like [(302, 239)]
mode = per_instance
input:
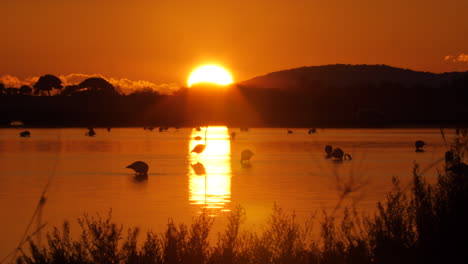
[(88, 174)]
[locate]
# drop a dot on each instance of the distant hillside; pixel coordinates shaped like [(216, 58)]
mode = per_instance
[(348, 75)]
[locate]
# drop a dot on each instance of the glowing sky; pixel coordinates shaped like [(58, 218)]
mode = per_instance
[(163, 41)]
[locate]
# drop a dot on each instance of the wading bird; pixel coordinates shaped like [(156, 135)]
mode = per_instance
[(198, 168), (200, 147), (340, 155), (328, 150), (140, 168), (25, 134), (246, 155), (419, 144), (91, 132)]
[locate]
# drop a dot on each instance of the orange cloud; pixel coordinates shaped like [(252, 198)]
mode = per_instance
[(460, 58), (13, 81), (449, 57)]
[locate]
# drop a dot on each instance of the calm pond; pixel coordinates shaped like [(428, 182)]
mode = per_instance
[(89, 174)]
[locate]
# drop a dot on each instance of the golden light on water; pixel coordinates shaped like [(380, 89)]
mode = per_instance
[(210, 171), (210, 74)]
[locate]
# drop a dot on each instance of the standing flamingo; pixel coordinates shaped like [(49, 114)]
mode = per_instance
[(419, 145), (200, 147), (140, 168), (246, 155)]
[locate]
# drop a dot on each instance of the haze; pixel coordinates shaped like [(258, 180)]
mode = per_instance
[(163, 41)]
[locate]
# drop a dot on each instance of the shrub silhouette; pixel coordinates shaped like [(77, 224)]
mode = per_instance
[(97, 86), (25, 90)]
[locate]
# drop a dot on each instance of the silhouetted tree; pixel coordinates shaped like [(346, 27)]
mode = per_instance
[(47, 83), (96, 85), (25, 90)]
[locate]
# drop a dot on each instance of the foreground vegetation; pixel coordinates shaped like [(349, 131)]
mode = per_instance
[(426, 223)]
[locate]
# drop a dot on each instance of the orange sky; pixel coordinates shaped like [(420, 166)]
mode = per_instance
[(162, 41)]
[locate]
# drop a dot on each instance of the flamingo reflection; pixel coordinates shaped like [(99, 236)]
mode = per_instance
[(198, 168), (200, 147)]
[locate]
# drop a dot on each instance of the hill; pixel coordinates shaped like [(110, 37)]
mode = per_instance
[(340, 75)]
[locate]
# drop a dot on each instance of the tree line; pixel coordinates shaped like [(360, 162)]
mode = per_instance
[(48, 83), (95, 101)]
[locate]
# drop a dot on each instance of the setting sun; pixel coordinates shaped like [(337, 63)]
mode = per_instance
[(210, 74)]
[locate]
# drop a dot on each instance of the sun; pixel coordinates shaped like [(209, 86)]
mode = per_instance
[(210, 74)]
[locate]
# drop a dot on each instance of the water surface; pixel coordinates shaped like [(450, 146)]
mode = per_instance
[(88, 174)]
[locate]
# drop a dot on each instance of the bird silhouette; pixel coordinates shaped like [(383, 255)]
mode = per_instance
[(200, 147), (246, 154), (328, 150), (312, 130), (91, 132), (419, 144), (290, 131), (25, 134), (339, 154), (140, 168), (198, 168), (233, 135)]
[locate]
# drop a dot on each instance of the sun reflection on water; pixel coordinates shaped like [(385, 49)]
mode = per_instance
[(210, 171)]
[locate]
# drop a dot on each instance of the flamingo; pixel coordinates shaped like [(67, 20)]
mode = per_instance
[(198, 168), (91, 132), (419, 144), (200, 147), (246, 155), (340, 155), (328, 150), (140, 168), (25, 134)]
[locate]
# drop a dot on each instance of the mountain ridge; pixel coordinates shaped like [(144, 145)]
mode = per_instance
[(348, 74)]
